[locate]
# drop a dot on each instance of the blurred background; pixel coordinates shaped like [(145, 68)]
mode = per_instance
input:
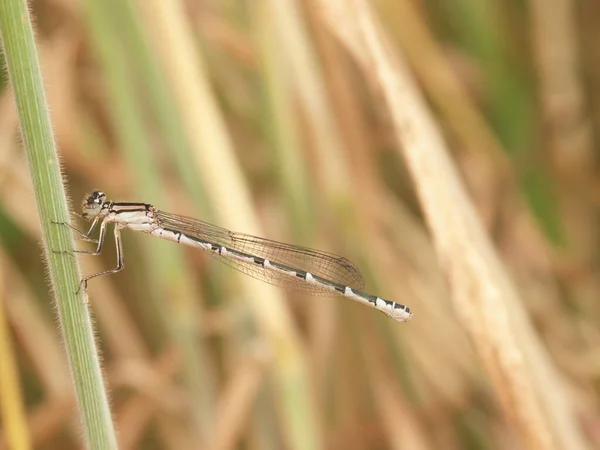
[(260, 116)]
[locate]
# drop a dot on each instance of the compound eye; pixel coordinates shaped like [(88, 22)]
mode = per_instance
[(98, 197)]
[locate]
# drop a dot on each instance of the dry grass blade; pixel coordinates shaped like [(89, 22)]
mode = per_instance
[(216, 161), (237, 400), (12, 408), (399, 421), (524, 379)]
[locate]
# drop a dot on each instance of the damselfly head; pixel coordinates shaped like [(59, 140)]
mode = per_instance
[(92, 205)]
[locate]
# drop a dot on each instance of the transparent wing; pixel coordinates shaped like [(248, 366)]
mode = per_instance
[(325, 265)]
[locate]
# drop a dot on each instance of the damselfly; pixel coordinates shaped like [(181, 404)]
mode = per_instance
[(289, 266)]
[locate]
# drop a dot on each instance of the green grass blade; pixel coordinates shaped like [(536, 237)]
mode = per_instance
[(26, 80)]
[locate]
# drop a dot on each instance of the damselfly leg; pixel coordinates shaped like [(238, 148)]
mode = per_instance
[(120, 258), (98, 251), (82, 235)]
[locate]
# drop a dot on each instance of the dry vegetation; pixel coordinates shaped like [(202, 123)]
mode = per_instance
[(447, 148)]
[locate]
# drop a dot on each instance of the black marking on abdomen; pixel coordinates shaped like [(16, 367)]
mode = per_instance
[(175, 232), (259, 261), (370, 298), (301, 274)]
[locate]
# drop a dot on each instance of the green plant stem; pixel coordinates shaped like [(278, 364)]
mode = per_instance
[(77, 333)]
